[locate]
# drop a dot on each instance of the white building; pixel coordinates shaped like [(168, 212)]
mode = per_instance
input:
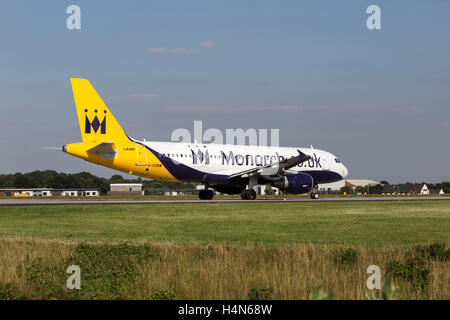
[(77, 192), (126, 189), (332, 187), (174, 193), (426, 190), (70, 193), (48, 192), (91, 193), (410, 188), (261, 190)]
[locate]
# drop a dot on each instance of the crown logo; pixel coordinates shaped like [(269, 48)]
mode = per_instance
[(95, 125)]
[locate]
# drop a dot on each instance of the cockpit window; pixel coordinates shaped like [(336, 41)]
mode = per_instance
[(337, 160)]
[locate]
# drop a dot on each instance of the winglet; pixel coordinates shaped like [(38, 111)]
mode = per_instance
[(303, 157)]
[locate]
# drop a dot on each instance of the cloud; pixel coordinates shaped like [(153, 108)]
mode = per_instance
[(201, 109), (235, 110), (146, 97), (207, 44), (282, 108), (174, 51)]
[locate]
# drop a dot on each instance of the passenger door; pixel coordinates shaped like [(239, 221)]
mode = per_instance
[(141, 155)]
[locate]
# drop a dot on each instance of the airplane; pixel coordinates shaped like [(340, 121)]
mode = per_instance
[(226, 168)]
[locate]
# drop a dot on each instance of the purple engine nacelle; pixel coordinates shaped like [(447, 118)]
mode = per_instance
[(295, 183)]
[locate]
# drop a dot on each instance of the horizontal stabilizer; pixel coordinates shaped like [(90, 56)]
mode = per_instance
[(105, 149)]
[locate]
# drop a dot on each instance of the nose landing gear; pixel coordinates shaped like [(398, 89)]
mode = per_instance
[(314, 195), (315, 192)]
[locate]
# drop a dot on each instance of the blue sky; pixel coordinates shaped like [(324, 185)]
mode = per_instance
[(379, 99)]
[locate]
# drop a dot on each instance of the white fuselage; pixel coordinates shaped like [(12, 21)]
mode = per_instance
[(230, 159)]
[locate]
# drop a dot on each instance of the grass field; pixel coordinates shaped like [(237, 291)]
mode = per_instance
[(224, 251), (373, 224)]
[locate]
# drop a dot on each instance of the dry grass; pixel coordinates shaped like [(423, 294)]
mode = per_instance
[(230, 272), (16, 253), (220, 271)]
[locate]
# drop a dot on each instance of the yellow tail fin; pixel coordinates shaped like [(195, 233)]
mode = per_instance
[(96, 122)]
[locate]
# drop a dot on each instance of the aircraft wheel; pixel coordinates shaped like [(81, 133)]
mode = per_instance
[(251, 194), (248, 194), (206, 194), (314, 195)]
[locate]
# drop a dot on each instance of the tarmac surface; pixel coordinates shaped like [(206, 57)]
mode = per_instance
[(70, 202)]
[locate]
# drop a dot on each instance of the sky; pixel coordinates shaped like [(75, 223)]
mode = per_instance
[(378, 99)]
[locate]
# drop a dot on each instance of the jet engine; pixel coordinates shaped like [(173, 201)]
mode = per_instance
[(295, 183)]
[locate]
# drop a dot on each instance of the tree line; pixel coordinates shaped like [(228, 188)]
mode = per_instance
[(59, 180), (378, 189)]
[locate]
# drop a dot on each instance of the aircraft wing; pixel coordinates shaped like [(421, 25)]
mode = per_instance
[(273, 169), (105, 149)]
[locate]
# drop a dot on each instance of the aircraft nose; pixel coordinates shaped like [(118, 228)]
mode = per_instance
[(344, 171)]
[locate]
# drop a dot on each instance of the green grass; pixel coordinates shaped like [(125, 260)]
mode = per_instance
[(371, 224)]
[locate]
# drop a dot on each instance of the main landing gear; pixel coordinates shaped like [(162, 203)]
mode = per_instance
[(206, 194), (248, 194)]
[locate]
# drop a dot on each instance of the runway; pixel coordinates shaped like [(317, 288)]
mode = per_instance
[(71, 202)]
